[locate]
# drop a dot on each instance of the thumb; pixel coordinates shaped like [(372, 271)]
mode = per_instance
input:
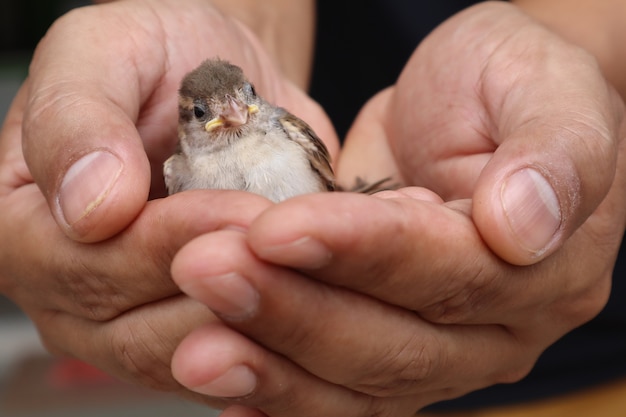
[(79, 139), (527, 202), (88, 160)]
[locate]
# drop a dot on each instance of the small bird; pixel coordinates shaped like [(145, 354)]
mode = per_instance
[(231, 138)]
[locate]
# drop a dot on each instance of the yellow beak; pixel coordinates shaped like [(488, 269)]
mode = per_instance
[(213, 124), (232, 116)]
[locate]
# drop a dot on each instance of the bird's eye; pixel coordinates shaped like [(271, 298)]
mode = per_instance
[(249, 89), (199, 111)]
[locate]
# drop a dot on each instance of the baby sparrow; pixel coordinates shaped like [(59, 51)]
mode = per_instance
[(230, 138)]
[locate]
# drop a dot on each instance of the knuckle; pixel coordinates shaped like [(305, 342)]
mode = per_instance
[(48, 106), (402, 371), (142, 362), (584, 300), (303, 338), (93, 296), (463, 299)]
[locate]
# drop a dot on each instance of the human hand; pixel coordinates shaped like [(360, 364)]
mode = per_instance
[(113, 90), (96, 119), (419, 297)]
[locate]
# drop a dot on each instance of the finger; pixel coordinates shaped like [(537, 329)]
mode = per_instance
[(527, 201), (13, 170), (371, 245), (100, 281), (397, 250), (534, 150), (365, 153), (325, 328), (219, 362), (80, 139), (136, 346)]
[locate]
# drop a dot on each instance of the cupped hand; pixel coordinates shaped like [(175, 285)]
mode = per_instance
[(109, 303), (416, 296), (100, 116), (82, 251)]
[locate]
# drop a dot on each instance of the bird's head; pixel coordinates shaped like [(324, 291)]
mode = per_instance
[(215, 100)]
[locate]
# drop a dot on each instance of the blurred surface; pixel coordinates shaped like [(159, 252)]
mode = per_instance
[(32, 383)]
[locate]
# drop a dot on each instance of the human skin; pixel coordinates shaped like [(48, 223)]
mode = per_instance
[(88, 259), (111, 302), (490, 292)]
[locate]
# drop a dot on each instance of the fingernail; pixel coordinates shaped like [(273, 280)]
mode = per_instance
[(230, 296), (87, 183), (531, 208), (238, 381), (305, 253)]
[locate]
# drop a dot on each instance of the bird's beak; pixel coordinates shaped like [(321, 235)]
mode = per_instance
[(253, 108), (235, 114), (213, 124)]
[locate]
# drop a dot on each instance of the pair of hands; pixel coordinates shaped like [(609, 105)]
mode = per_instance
[(331, 304)]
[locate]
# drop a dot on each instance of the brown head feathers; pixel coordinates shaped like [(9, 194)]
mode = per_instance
[(213, 78)]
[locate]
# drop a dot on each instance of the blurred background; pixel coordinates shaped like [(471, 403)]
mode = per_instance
[(32, 383)]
